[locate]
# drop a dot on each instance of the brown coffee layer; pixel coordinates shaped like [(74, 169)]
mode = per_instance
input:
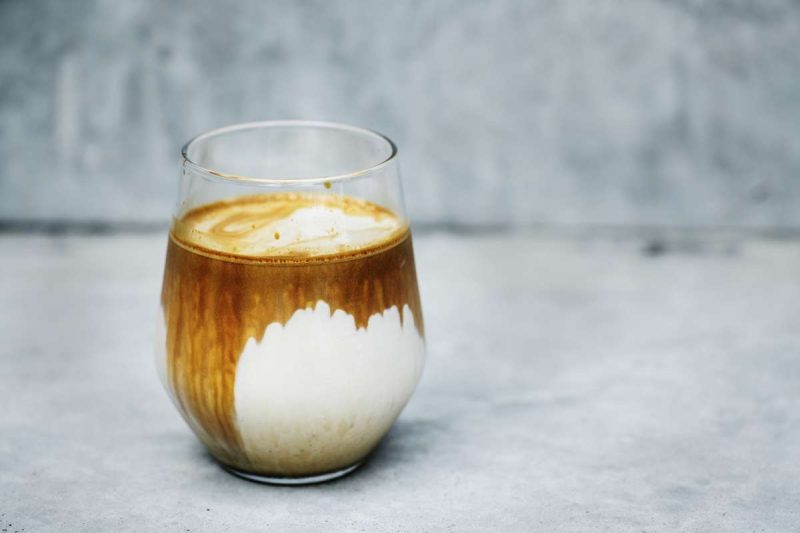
[(213, 303)]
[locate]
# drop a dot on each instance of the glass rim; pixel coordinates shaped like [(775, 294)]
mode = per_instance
[(278, 180)]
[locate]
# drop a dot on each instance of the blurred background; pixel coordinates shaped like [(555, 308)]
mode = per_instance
[(508, 114)]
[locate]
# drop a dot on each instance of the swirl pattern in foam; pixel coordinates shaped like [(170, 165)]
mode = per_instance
[(288, 225)]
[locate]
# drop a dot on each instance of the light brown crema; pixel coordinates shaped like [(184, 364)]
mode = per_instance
[(233, 267)]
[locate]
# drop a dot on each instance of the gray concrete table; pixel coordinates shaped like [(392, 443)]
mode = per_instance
[(572, 385)]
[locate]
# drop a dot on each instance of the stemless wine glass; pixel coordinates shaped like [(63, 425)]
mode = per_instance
[(291, 333)]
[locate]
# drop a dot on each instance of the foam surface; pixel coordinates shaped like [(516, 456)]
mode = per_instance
[(288, 225)]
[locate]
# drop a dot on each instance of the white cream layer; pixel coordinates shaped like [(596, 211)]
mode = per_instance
[(161, 351), (318, 393)]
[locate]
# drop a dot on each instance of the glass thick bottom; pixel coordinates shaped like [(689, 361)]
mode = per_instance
[(303, 480)]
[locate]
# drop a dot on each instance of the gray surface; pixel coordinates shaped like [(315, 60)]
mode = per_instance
[(571, 386), (510, 112)]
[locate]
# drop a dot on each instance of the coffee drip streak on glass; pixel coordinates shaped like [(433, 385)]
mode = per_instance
[(224, 283)]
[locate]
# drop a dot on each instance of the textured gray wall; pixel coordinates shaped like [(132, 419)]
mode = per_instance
[(506, 112)]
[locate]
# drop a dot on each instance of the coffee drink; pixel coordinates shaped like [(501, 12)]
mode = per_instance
[(292, 334)]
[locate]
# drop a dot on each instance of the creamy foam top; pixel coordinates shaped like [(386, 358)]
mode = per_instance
[(285, 225)]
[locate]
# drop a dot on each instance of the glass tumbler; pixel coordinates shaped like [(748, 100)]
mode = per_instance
[(291, 332)]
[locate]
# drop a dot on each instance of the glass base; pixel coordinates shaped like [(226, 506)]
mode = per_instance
[(307, 480)]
